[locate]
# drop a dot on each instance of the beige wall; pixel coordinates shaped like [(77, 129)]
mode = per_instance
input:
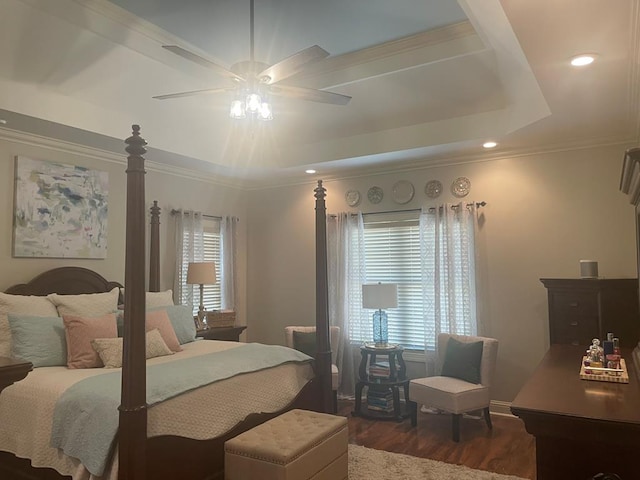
[(172, 192), (544, 213)]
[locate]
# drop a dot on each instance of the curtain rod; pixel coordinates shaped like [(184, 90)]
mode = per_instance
[(215, 217), (410, 210)]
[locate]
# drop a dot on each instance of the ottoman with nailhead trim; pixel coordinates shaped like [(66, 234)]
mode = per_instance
[(297, 445)]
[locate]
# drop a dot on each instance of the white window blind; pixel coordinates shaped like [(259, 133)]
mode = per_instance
[(392, 255), (211, 239)]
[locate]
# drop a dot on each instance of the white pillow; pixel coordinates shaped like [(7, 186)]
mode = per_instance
[(20, 305), (87, 305), (156, 299), (110, 349), (159, 299)]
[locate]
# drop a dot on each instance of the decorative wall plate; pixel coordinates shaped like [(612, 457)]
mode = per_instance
[(461, 186), (402, 192), (433, 189), (375, 195), (352, 197)]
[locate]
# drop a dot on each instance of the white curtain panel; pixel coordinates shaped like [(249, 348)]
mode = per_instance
[(229, 245), (447, 251), (189, 240), (346, 274)]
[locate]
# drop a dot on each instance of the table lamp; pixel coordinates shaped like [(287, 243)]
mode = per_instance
[(379, 296), (201, 273)]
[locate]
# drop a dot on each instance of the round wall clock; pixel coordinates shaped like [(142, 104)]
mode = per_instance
[(460, 187), (352, 197), (375, 195), (433, 189)]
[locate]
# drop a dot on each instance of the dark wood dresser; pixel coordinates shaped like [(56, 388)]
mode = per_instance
[(581, 309), (582, 427)]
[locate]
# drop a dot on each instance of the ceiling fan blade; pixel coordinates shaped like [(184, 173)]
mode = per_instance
[(202, 61), (292, 64), (309, 94), (193, 92)]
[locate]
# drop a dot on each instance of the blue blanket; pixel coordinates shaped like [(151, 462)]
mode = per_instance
[(85, 419)]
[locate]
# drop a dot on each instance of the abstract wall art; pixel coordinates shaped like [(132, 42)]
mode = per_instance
[(60, 210)]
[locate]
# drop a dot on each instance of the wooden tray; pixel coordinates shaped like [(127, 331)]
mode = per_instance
[(619, 377)]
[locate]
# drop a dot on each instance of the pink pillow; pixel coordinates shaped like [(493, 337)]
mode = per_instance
[(160, 320), (80, 331)]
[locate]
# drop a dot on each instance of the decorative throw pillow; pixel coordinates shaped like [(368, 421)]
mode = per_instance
[(159, 299), (160, 320), (154, 299), (110, 349), (181, 318), (305, 342), (462, 360), (87, 305), (39, 340), (20, 305), (79, 331)]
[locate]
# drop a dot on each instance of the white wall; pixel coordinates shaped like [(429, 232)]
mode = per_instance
[(172, 192), (544, 213)]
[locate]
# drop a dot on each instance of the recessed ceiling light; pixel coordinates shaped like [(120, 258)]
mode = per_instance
[(489, 144), (3, 121), (582, 60), (310, 171)]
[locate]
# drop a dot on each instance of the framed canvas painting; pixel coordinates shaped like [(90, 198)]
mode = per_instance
[(60, 210)]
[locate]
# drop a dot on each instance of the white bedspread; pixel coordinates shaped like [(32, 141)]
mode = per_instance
[(26, 408)]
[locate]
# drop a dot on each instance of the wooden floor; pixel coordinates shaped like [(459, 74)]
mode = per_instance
[(507, 449)]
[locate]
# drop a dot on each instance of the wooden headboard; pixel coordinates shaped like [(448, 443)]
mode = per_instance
[(65, 281)]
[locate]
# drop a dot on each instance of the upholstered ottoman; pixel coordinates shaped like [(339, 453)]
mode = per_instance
[(297, 445)]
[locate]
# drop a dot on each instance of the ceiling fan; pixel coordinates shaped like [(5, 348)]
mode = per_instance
[(254, 82)]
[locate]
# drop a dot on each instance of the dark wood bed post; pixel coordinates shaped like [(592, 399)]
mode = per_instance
[(323, 346), (133, 408), (154, 246)]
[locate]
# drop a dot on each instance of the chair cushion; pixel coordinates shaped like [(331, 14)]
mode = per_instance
[(462, 360), (450, 394)]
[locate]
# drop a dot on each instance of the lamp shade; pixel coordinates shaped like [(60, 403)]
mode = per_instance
[(380, 295), (201, 273)]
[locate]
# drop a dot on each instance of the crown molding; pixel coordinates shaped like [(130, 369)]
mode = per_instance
[(63, 146)]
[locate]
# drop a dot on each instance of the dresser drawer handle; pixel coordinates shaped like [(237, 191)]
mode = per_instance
[(573, 304), (574, 323)]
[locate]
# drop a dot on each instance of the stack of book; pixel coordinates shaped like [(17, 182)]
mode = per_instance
[(379, 370), (380, 400)]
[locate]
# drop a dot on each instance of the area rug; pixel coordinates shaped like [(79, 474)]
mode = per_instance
[(370, 464)]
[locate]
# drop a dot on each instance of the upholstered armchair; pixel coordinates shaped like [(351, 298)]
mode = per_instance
[(307, 345), (463, 384)]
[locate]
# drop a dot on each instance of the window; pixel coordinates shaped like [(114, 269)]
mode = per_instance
[(392, 255), (211, 242), (435, 293)]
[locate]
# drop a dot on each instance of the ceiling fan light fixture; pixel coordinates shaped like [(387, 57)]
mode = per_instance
[(266, 112), (237, 110), (254, 102)]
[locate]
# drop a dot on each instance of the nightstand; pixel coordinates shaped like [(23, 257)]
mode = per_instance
[(12, 370), (230, 334)]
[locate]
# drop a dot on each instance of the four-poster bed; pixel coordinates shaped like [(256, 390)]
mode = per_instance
[(165, 456)]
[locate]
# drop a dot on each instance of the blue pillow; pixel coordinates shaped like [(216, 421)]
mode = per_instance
[(39, 340), (181, 320)]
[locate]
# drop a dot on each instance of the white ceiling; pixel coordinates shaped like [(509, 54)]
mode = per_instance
[(431, 80)]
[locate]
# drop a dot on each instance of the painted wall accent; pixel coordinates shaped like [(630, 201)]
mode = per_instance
[(60, 210)]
